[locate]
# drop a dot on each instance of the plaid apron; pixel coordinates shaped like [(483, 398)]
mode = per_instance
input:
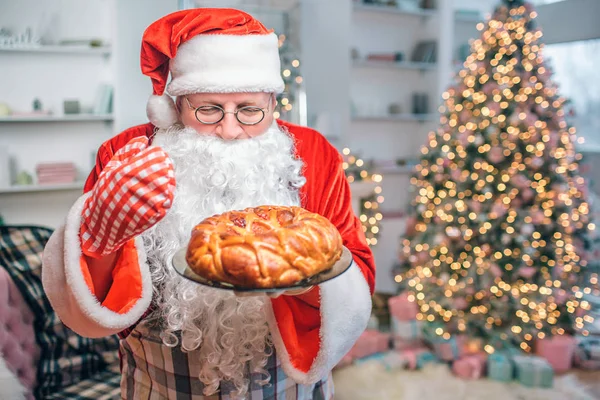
[(153, 371)]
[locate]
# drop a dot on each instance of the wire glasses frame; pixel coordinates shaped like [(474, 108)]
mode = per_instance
[(211, 115)]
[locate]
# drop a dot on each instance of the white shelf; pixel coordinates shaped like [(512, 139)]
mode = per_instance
[(398, 118), (469, 18), (411, 65), (59, 118), (393, 10), (588, 148), (395, 170), (82, 50), (41, 188)]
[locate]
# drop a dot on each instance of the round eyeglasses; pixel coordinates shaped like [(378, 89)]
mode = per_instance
[(210, 115)]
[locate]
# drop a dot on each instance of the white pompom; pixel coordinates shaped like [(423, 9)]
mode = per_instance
[(161, 111)]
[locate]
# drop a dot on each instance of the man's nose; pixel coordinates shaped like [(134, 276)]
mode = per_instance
[(229, 128)]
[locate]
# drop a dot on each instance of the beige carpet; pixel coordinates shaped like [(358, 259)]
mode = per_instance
[(370, 381)]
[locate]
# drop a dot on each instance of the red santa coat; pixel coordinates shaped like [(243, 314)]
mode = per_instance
[(309, 341)]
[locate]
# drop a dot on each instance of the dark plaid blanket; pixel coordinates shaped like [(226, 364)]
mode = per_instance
[(70, 366)]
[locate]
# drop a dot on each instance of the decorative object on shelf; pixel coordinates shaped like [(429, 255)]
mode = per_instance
[(94, 42), (386, 57), (71, 107), (52, 173), (420, 103), (104, 99), (395, 109), (18, 40), (24, 178), (428, 4), (37, 105), (370, 215), (558, 351), (425, 51), (4, 110), (4, 167)]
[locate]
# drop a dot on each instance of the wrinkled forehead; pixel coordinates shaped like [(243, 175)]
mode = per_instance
[(253, 98)]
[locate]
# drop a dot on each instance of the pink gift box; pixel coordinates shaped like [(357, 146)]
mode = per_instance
[(558, 351), (400, 343), (410, 355), (370, 342), (402, 309), (470, 367)]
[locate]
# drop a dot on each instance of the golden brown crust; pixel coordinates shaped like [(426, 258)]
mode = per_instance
[(263, 247)]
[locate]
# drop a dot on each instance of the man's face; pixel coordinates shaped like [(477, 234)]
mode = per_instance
[(198, 107)]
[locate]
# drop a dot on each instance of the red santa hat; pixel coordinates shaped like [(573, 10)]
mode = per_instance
[(209, 50)]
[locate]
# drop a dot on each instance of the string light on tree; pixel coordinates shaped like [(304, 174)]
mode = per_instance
[(370, 213), (291, 77), (495, 248)]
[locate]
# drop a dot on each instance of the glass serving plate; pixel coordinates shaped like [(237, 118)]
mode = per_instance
[(181, 266)]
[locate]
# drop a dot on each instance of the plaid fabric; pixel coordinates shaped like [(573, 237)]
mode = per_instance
[(133, 192), (152, 370), (65, 357), (102, 386)]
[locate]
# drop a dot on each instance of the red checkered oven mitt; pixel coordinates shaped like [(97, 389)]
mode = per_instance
[(133, 192)]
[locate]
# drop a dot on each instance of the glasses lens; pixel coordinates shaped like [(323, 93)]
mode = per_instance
[(209, 114), (250, 115)]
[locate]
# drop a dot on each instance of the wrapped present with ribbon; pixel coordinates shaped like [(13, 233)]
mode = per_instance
[(587, 352), (533, 371), (402, 309), (448, 349), (471, 366), (418, 357), (500, 367), (558, 351), (370, 342), (407, 330)]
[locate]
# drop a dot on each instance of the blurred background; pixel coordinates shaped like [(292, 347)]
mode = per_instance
[(385, 81)]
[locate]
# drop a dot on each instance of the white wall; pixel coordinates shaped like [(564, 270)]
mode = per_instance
[(325, 38), (132, 87)]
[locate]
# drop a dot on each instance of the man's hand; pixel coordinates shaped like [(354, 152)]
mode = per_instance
[(134, 191)]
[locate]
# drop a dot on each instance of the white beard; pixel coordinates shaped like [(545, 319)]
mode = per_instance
[(214, 176)]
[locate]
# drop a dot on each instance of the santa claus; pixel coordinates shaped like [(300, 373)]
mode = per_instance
[(217, 147)]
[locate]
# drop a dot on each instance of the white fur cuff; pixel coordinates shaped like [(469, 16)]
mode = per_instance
[(68, 291)]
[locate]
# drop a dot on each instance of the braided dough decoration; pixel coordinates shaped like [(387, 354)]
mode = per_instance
[(263, 247)]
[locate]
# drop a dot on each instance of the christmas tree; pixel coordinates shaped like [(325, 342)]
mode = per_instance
[(495, 247)]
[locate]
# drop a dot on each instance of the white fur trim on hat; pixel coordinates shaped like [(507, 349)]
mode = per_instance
[(161, 111), (227, 64)]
